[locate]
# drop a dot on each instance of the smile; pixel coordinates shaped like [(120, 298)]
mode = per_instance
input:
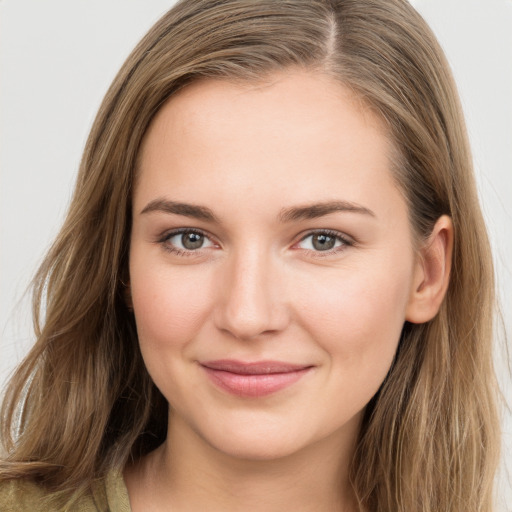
[(253, 379)]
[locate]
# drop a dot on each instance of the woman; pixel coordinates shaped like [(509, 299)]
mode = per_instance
[(273, 286)]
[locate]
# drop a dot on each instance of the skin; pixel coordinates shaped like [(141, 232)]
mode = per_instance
[(258, 289)]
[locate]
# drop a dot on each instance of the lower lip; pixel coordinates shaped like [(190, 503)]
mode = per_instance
[(253, 385)]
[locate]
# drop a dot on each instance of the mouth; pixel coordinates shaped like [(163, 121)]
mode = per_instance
[(254, 379)]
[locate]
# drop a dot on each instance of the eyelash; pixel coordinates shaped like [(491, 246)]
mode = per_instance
[(164, 241), (345, 242)]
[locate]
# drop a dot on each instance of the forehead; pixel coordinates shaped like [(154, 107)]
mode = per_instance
[(273, 101), (293, 131)]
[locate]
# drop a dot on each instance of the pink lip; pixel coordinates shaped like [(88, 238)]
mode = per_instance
[(253, 379)]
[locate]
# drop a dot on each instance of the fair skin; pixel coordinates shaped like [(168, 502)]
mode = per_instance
[(300, 252)]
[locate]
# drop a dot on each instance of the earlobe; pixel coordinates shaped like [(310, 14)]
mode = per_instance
[(432, 273), (127, 294)]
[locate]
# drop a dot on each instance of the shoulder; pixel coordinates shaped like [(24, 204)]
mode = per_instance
[(107, 495), (21, 495)]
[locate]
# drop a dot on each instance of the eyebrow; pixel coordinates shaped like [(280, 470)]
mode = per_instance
[(315, 210), (177, 208), (311, 211)]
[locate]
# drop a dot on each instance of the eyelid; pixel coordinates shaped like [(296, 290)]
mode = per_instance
[(346, 241), (164, 238)]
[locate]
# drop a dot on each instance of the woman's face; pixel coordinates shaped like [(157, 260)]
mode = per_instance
[(267, 229)]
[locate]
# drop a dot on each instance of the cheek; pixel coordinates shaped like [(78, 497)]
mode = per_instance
[(168, 308), (357, 318)]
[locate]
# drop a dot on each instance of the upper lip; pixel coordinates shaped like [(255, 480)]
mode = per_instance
[(253, 368)]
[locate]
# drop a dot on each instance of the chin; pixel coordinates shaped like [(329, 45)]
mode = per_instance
[(257, 449), (264, 440)]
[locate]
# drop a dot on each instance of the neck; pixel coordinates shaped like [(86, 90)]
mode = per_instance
[(188, 474)]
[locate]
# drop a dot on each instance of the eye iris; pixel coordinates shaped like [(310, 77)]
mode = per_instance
[(323, 242), (192, 240)]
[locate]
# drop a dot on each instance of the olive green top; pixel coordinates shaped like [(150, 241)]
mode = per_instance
[(107, 495)]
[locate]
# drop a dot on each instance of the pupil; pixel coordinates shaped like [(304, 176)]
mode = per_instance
[(192, 240), (323, 242)]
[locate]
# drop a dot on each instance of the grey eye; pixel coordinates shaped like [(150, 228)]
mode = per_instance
[(192, 241), (321, 242), (188, 241)]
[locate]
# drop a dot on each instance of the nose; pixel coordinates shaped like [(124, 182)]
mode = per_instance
[(251, 297)]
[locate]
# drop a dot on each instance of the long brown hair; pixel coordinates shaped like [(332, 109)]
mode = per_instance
[(82, 401)]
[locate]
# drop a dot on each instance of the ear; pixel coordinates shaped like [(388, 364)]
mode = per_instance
[(431, 273), (127, 294)]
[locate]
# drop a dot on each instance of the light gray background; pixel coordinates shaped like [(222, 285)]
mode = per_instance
[(57, 58)]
